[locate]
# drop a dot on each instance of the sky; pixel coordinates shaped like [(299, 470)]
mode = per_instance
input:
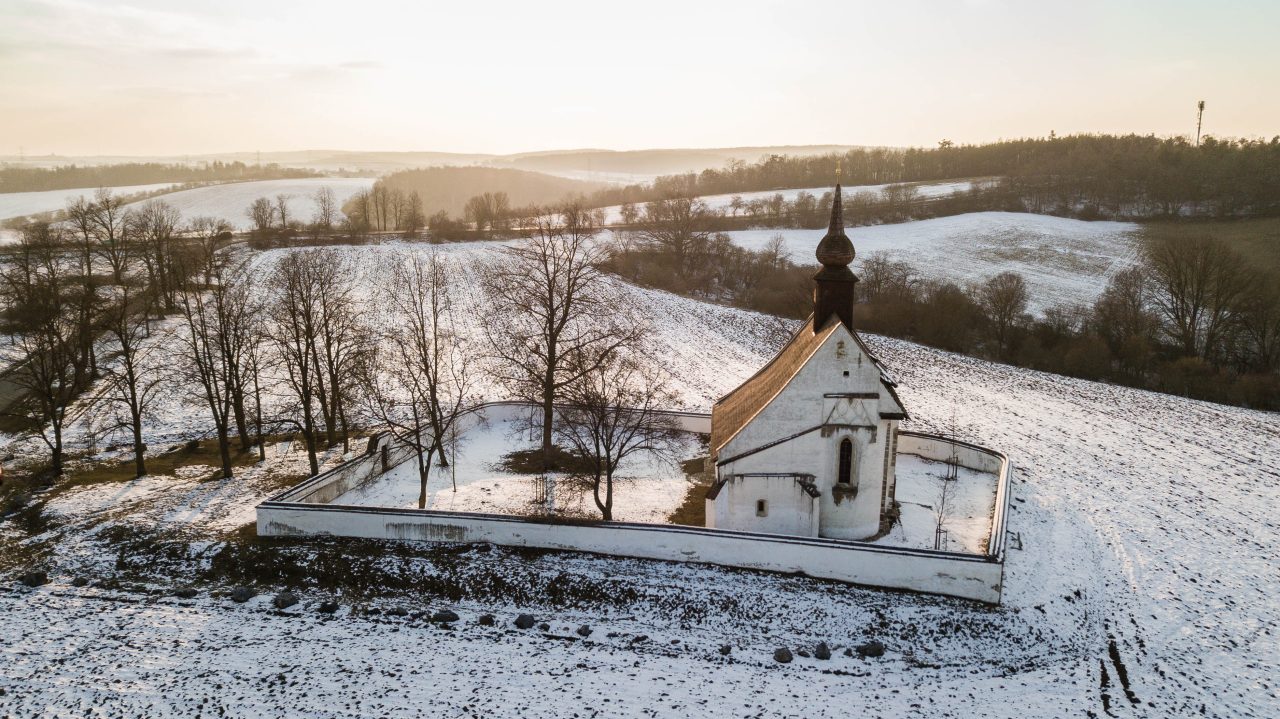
[(171, 77)]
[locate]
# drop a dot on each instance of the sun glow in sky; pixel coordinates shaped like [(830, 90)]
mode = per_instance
[(151, 77)]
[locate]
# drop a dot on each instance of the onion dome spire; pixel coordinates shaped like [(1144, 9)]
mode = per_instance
[(835, 249), (833, 286)]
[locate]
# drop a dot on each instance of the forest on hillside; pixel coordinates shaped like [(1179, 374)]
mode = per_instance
[(447, 189), (15, 178), (1088, 176)]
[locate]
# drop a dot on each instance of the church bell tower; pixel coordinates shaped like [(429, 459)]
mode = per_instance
[(833, 286)]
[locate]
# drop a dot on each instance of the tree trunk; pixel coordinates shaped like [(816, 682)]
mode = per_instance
[(548, 414), (424, 469), (608, 496), (139, 449), (309, 439), (237, 407), (224, 449), (56, 458)]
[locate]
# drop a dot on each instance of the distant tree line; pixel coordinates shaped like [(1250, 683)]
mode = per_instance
[(1085, 175), (16, 178)]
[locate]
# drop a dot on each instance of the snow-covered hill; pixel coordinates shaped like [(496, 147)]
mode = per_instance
[(19, 204), (1064, 261), (231, 201), (723, 203), (1141, 581)]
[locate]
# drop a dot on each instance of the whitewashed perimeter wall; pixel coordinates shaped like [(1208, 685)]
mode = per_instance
[(295, 513)]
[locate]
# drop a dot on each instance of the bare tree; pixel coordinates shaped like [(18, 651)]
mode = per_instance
[(132, 381), (219, 327), (80, 217), (489, 210), (41, 294), (262, 213), (340, 342), (1200, 288), (1004, 300), (295, 312), (154, 225), (326, 209), (282, 210), (676, 225), (614, 412), (112, 232), (553, 315), (210, 234), (420, 380)]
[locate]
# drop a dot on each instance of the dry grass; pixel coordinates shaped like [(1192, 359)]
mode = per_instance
[(692, 512), (1257, 239)]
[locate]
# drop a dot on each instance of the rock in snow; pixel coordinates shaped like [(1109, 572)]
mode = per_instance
[(871, 649), (284, 600), (525, 621), (822, 651), (34, 578), (240, 595), (782, 655)]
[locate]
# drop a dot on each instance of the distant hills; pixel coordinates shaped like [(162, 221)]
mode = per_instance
[(583, 164)]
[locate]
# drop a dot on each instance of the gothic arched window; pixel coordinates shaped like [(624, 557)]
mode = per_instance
[(845, 468)]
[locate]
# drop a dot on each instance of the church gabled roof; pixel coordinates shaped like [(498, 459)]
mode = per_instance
[(733, 411)]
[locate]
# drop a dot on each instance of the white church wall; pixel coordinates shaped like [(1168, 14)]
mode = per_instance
[(787, 509), (803, 404)]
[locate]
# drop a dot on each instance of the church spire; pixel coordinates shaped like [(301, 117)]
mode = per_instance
[(834, 284)]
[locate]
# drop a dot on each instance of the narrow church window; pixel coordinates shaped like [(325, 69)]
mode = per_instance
[(762, 508), (846, 461), (840, 349)]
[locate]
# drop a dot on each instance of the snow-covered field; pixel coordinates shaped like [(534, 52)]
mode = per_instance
[(230, 201), (723, 203), (1141, 580), (19, 204), (1064, 261)]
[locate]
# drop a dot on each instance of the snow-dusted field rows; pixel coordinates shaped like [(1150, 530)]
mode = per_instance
[(1141, 581), (722, 203), (18, 204), (1064, 261), (230, 201)]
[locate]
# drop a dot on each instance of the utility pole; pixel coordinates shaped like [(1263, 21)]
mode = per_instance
[(1199, 119)]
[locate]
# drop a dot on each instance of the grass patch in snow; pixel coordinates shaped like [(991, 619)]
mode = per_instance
[(692, 512)]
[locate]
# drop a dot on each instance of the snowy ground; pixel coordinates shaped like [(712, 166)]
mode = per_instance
[(650, 489), (231, 201), (19, 204), (613, 214), (1064, 261), (647, 489), (1142, 577), (970, 506)]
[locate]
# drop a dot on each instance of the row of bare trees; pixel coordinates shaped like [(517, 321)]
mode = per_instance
[(296, 347), (93, 281)]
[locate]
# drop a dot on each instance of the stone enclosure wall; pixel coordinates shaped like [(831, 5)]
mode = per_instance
[(303, 510)]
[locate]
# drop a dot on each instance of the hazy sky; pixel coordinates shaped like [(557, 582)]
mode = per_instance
[(179, 76)]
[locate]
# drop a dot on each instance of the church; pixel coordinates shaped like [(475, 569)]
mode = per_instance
[(807, 445)]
